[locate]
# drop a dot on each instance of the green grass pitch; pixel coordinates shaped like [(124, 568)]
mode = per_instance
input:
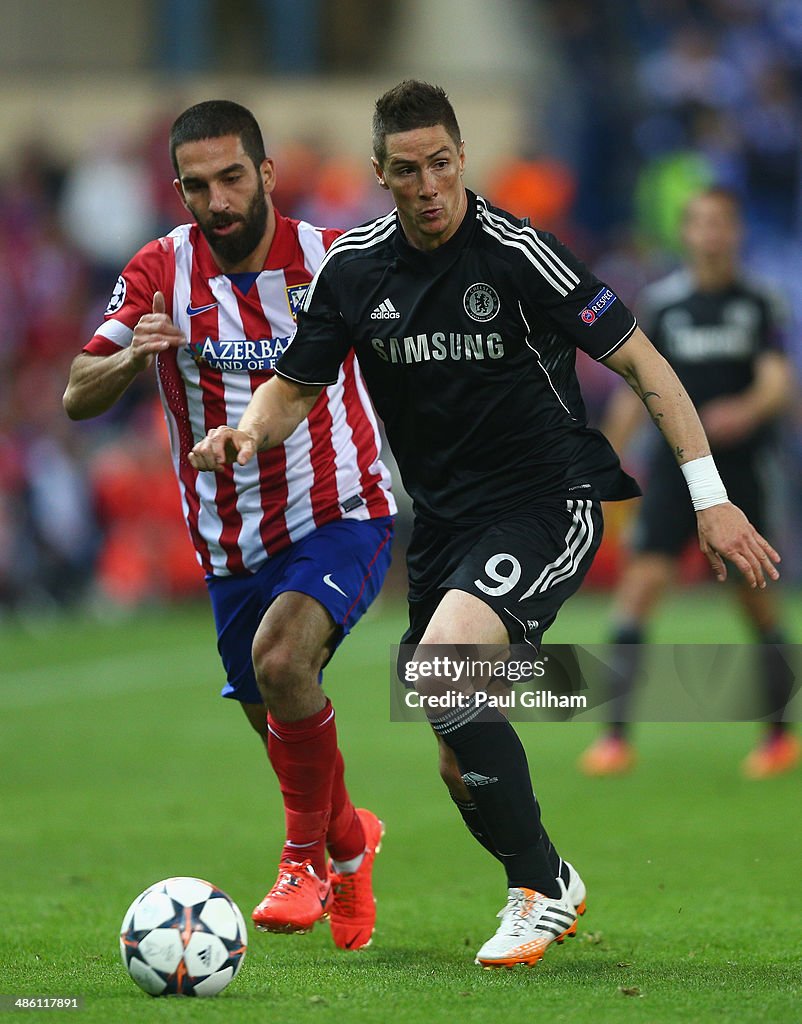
[(121, 766)]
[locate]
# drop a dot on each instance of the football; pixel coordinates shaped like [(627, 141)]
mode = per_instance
[(183, 936)]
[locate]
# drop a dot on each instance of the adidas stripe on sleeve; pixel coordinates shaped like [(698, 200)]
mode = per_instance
[(554, 281)]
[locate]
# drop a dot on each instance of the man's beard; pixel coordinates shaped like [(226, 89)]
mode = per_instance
[(233, 249)]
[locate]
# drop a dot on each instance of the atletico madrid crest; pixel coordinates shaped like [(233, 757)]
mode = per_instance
[(295, 297)]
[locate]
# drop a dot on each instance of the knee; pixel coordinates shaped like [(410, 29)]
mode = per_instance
[(279, 668)]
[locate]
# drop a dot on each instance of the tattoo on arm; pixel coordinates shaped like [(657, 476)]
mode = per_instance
[(644, 396), (679, 452)]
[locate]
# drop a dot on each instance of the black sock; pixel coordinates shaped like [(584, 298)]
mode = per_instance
[(475, 825), (627, 639), (556, 865), (777, 678), (473, 821), (494, 767)]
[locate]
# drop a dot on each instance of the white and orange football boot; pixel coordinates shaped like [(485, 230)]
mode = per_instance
[(575, 889), (530, 922)]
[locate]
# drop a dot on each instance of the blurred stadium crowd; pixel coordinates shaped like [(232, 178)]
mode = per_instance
[(649, 102)]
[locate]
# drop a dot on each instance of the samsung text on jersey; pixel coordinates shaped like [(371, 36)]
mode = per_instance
[(419, 349)]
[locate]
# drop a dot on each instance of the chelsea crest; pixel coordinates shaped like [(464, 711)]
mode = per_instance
[(481, 302)]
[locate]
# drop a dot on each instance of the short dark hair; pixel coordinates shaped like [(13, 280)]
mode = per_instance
[(409, 105), (213, 119)]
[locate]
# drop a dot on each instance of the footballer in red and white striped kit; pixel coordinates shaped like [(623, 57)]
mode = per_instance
[(296, 544)]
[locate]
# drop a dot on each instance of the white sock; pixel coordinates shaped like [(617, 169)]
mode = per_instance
[(348, 867)]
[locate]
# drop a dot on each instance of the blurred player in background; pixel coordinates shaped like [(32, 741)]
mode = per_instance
[(466, 322), (722, 333), (296, 545)]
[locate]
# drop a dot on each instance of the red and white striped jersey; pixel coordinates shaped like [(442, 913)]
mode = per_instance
[(237, 326)]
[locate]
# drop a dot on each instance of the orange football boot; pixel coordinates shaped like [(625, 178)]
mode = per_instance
[(296, 902), (353, 908), (609, 755), (774, 756)]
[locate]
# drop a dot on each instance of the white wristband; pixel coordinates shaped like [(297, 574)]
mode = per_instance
[(704, 483)]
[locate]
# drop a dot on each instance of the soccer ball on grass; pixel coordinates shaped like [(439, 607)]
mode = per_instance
[(183, 936)]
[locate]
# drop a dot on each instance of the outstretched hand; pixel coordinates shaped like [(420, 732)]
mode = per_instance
[(221, 447), (726, 533)]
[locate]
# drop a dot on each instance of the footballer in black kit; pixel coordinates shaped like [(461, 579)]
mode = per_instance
[(722, 332), (713, 340), (468, 352), (465, 322)]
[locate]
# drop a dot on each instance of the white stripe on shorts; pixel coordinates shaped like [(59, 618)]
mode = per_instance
[(577, 541)]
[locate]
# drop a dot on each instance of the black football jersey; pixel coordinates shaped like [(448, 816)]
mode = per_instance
[(713, 338), (468, 353)]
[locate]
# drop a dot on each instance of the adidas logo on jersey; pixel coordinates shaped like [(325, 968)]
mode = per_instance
[(385, 311)]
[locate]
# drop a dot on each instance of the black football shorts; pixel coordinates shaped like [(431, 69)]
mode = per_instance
[(524, 566), (666, 521)]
